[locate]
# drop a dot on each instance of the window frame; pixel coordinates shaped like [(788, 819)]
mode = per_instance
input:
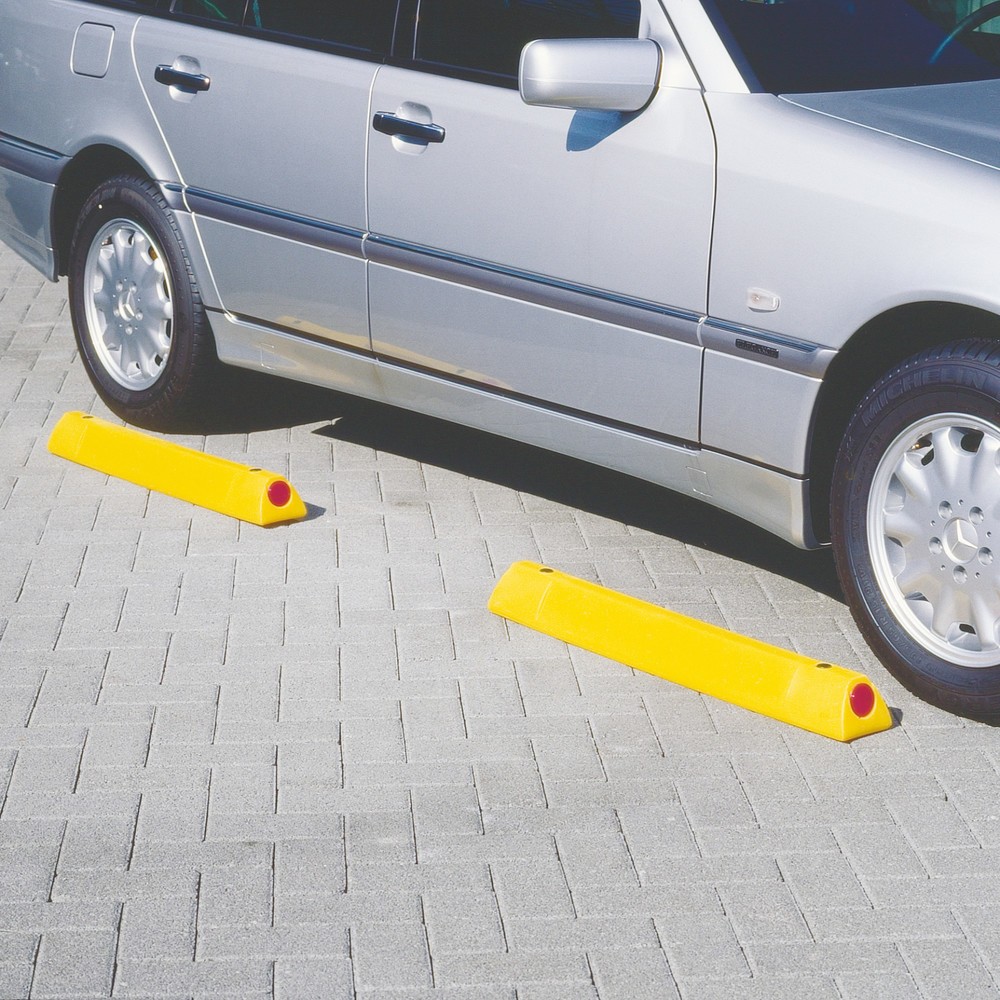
[(404, 53), (133, 6), (163, 9), (401, 50)]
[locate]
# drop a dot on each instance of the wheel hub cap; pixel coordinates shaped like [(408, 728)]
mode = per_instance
[(129, 304), (961, 541), (127, 307)]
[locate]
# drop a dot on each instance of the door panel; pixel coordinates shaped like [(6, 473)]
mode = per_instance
[(579, 364), (270, 141), (585, 207)]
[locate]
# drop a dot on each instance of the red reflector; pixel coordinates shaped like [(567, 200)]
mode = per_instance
[(279, 493), (862, 700)]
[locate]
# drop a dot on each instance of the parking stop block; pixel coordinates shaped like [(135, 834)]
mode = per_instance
[(819, 697), (250, 494)]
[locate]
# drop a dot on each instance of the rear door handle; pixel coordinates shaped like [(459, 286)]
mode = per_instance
[(171, 77), (389, 124)]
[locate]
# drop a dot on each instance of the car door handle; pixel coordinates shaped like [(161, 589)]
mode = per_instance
[(389, 124), (171, 77)]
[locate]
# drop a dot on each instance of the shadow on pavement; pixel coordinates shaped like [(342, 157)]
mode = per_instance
[(255, 402)]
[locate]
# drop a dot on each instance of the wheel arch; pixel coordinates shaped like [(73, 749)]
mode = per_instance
[(82, 174), (871, 352)]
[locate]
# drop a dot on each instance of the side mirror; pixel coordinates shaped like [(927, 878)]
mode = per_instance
[(600, 74)]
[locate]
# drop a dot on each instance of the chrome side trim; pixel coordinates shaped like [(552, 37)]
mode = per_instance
[(293, 334), (36, 162), (749, 343), (680, 325), (262, 218), (538, 289)]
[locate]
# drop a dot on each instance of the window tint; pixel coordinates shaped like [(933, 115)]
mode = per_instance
[(229, 11), (362, 24), (487, 35), (819, 45)]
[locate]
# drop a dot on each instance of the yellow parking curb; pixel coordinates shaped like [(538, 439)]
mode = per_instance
[(819, 697), (253, 495)]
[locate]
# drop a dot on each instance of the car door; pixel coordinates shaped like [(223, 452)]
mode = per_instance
[(266, 122), (556, 256)]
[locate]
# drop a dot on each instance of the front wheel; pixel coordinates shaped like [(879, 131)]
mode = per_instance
[(140, 325), (916, 524)]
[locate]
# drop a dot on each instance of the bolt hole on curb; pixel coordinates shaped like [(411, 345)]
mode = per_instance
[(250, 494), (816, 696)]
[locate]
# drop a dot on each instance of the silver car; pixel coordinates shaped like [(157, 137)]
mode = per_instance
[(745, 249)]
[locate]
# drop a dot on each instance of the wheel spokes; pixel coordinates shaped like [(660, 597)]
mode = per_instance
[(903, 525), (987, 622), (985, 477)]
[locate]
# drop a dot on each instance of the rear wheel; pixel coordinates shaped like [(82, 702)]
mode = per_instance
[(916, 524), (139, 322)]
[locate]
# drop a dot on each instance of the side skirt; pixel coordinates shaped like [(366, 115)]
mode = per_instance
[(769, 498)]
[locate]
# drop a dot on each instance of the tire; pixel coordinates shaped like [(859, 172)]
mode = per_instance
[(137, 313), (916, 524)]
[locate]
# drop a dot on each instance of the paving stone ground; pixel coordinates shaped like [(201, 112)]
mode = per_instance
[(306, 762)]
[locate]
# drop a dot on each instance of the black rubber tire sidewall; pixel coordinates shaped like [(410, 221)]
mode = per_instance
[(177, 392), (962, 378)]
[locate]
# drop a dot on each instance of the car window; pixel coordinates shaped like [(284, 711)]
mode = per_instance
[(486, 36), (803, 46), (226, 11), (362, 24)]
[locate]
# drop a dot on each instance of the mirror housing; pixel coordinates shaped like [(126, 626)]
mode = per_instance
[(598, 74)]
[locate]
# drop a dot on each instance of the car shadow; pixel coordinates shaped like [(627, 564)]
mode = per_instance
[(517, 466)]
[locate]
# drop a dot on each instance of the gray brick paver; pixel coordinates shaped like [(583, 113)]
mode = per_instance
[(97, 843), (914, 923), (388, 903), (308, 762), (886, 986), (236, 897), (75, 962), (159, 928), (525, 968), (313, 979), (244, 977), (764, 987), (949, 968), (15, 978), (633, 975), (390, 955), (464, 922), (764, 913)]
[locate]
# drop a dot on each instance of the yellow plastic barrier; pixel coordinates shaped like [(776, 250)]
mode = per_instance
[(819, 697), (252, 495)]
